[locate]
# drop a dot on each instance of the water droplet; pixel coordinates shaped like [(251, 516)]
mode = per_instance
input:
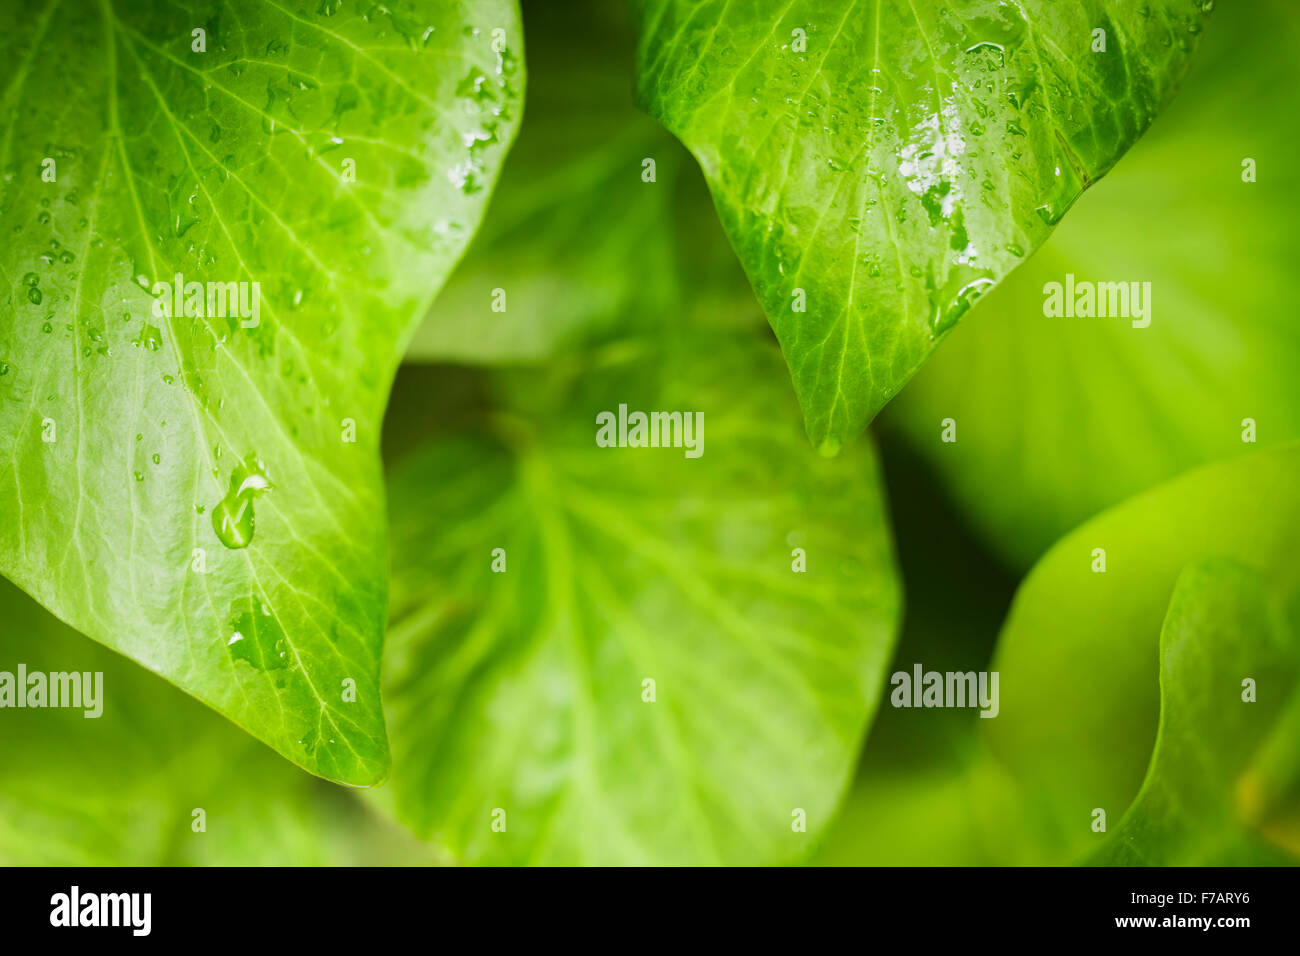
[(256, 637), (960, 304), (994, 53), (1049, 214), (475, 86), (232, 517), (34, 295), (150, 337), (183, 223)]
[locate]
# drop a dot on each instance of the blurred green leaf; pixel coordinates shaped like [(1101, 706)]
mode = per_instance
[(203, 492), (926, 792), (963, 810), (1079, 655), (1205, 786), (121, 789), (1060, 418), (878, 168), (583, 247), (524, 691)]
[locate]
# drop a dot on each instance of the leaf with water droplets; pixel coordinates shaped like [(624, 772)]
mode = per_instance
[(1043, 396), (874, 164), (207, 300)]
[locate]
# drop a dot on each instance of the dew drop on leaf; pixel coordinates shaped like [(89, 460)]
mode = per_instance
[(232, 517), (257, 638), (150, 337)]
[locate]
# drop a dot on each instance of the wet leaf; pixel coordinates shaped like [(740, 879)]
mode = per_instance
[(177, 460), (879, 167)]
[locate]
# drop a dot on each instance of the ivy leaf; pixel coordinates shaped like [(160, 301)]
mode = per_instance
[(1220, 747), (122, 789), (879, 167), (1078, 656), (1058, 419), (645, 677), (594, 198), (202, 492)]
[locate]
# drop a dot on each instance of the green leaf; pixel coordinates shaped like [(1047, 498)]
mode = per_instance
[(1079, 654), (892, 161), (1060, 418), (130, 438), (1205, 785), (121, 789), (523, 690), (576, 231)]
